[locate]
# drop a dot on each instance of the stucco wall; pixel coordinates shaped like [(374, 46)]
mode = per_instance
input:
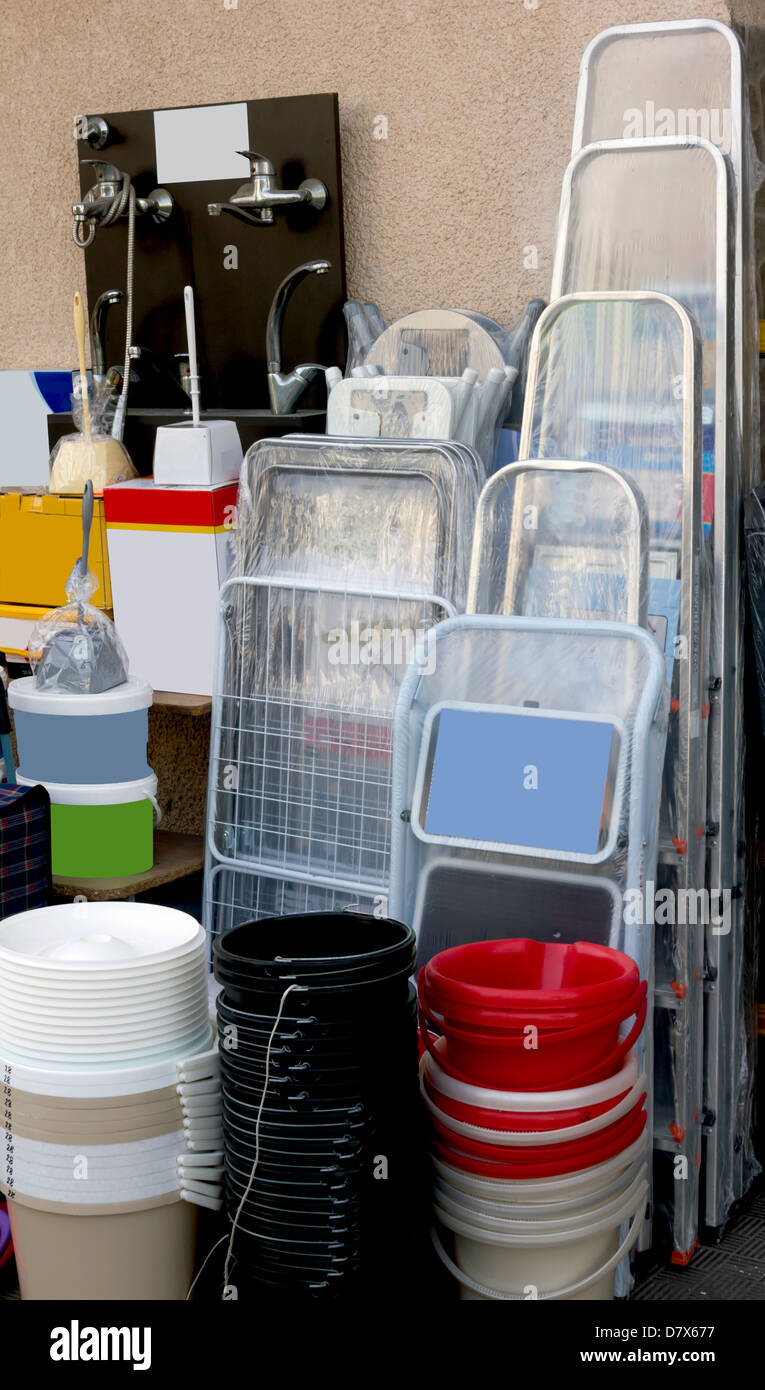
[(478, 97)]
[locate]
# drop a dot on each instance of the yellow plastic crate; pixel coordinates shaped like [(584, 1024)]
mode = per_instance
[(40, 539)]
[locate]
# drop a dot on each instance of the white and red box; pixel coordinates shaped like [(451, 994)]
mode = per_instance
[(170, 549)]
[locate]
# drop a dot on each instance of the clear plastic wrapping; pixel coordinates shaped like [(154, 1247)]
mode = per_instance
[(670, 207), (94, 456), (348, 553), (526, 791), (561, 540), (77, 647), (442, 343), (380, 513), (518, 683), (462, 408), (433, 342), (616, 377)]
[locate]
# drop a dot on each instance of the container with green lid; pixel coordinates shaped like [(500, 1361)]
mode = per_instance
[(104, 830)]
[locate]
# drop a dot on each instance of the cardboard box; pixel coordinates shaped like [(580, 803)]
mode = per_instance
[(40, 539), (170, 548)]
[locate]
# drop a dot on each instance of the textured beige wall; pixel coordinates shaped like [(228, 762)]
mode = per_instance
[(478, 96)]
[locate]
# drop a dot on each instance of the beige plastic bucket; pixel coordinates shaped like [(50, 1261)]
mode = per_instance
[(141, 1255)]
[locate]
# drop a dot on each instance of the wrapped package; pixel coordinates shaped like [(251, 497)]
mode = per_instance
[(77, 648), (348, 552), (561, 540), (474, 855), (660, 195), (441, 342), (95, 456), (603, 385), (463, 408)]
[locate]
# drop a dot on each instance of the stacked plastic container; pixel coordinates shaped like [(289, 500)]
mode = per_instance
[(538, 1114), (111, 1099), (320, 1107), (89, 752)]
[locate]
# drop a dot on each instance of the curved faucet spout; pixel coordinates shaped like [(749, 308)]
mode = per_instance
[(98, 331), (278, 305)]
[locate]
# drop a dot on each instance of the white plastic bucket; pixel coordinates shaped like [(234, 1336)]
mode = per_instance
[(72, 938), (567, 1260), (541, 1218), (72, 738), (194, 1074), (102, 830), (530, 1209), (107, 1059), (581, 1182), (131, 1255)]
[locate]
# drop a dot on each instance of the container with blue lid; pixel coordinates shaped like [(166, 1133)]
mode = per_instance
[(82, 739)]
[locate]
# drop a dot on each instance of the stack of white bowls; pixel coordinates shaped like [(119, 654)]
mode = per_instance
[(111, 1123)]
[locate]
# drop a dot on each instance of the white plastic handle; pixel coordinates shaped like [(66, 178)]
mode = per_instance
[(565, 1206), (202, 1124), (203, 1113), (196, 1199), (215, 1156), (537, 1138), (580, 1181), (577, 1099), (203, 1188), (209, 1086), (207, 1175), (202, 1141), (518, 1240), (205, 1066), (499, 1295), (599, 1216)]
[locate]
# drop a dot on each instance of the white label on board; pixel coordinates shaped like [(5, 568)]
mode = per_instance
[(201, 142)]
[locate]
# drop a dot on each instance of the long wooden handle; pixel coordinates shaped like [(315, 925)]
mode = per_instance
[(79, 333)]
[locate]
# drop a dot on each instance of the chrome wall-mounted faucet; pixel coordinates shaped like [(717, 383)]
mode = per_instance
[(107, 200), (285, 389), (254, 202)]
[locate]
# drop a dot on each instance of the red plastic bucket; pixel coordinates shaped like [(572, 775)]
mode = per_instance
[(546, 1162), (512, 1022), (566, 1058), (517, 973)]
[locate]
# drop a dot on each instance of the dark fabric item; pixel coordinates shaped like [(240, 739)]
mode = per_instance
[(25, 860)]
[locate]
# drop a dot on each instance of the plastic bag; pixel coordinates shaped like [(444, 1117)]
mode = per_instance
[(98, 457), (77, 647)]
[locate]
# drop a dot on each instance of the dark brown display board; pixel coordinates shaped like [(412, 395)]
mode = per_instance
[(301, 138)]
